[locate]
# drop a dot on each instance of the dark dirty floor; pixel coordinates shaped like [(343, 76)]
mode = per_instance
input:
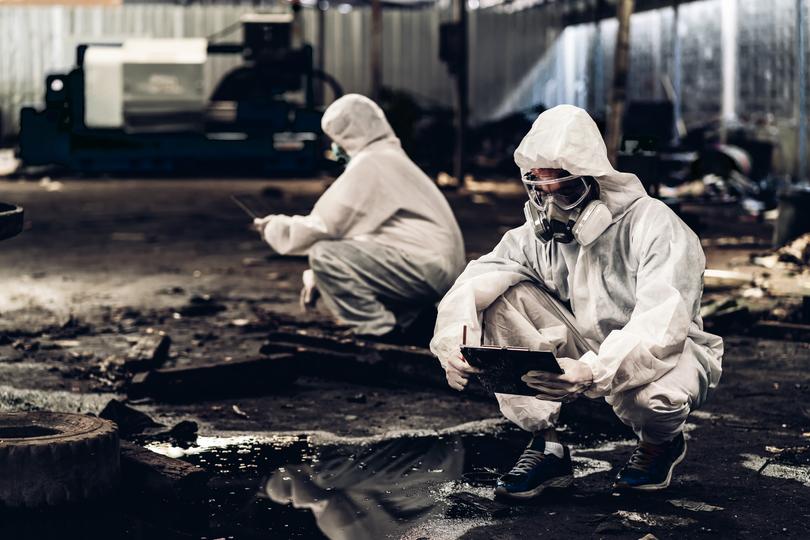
[(104, 262)]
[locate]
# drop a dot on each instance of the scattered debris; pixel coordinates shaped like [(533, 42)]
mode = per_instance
[(465, 505), (130, 421), (725, 313), (770, 468), (201, 306), (252, 261), (239, 412), (782, 330), (694, 506), (50, 185), (653, 520), (725, 279), (172, 291), (149, 352)]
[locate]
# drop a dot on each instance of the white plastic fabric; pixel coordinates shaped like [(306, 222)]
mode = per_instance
[(634, 292), (527, 316), (371, 287), (381, 197)]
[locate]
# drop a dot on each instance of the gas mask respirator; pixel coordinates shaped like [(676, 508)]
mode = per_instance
[(339, 154), (565, 209)]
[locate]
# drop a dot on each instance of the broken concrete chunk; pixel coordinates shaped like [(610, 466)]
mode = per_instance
[(144, 470), (130, 421), (149, 352)]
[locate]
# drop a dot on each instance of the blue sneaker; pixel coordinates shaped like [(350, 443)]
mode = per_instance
[(535, 471), (651, 465)]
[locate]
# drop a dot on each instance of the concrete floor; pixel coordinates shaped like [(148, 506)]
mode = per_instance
[(113, 258)]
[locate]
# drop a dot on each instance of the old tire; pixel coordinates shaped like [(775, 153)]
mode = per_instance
[(55, 458)]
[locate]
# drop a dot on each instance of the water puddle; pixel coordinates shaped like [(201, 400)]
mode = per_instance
[(292, 487), (388, 489), (296, 485)]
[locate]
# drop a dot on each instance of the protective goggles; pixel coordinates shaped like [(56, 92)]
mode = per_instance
[(565, 193)]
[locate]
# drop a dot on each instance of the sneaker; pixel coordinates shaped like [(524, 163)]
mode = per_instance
[(651, 465), (535, 471)]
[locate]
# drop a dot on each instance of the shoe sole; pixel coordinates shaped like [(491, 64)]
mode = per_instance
[(662, 485), (560, 482)]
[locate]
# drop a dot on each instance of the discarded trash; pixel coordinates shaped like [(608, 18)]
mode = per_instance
[(694, 506), (239, 412), (653, 520), (85, 446), (725, 279), (252, 261), (50, 185), (357, 398)]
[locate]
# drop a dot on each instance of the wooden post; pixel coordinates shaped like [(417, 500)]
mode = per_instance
[(376, 49), (459, 161), (621, 65)]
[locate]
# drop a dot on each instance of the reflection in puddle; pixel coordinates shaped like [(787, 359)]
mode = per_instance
[(378, 492), (289, 487)]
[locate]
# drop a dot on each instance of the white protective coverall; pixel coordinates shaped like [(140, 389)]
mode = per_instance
[(634, 294), (382, 235)]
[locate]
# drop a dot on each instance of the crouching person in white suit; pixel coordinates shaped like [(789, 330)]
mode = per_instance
[(382, 241), (609, 278)]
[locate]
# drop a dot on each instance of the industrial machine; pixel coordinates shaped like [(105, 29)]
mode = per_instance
[(144, 106)]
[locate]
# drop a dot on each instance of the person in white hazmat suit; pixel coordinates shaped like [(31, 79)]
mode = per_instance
[(382, 241), (607, 278)]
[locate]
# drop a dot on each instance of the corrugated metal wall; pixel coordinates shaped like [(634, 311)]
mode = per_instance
[(517, 59), (41, 40)]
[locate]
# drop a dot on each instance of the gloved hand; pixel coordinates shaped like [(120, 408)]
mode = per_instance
[(260, 223), (458, 371), (309, 293), (577, 378)]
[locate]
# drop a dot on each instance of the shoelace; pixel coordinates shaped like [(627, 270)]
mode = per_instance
[(528, 460), (644, 455)]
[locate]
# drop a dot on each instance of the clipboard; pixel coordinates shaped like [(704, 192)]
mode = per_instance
[(251, 205), (502, 367)]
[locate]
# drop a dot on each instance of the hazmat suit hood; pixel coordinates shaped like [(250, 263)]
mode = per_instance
[(634, 293), (566, 137), (354, 122)]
